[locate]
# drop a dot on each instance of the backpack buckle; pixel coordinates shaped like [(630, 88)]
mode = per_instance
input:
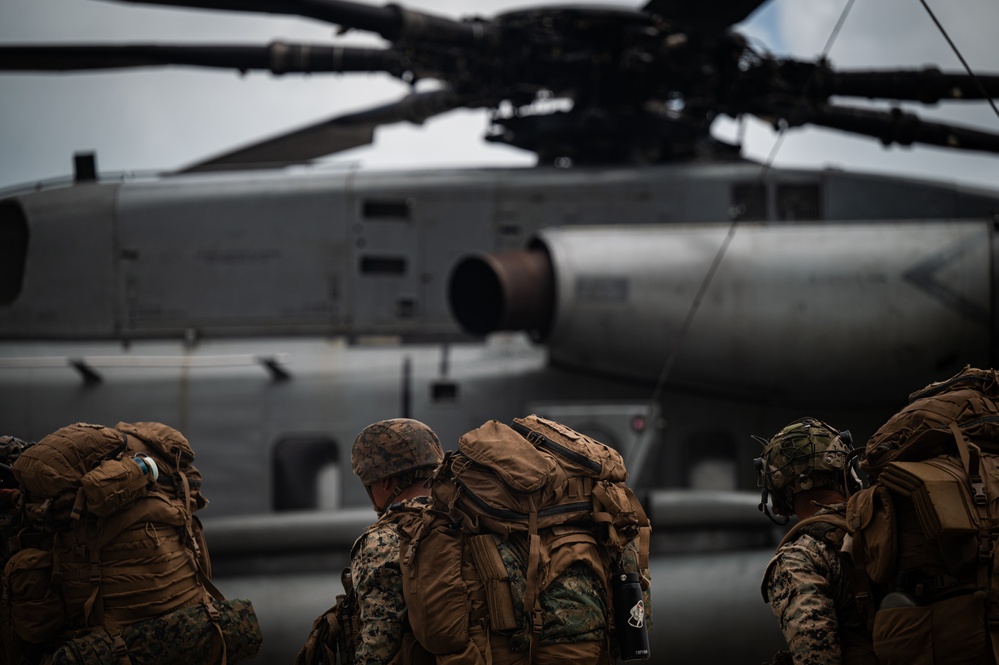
[(986, 546), (978, 487), (538, 622)]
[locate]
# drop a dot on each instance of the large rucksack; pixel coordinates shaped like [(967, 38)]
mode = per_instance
[(110, 564), (559, 493), (926, 531)]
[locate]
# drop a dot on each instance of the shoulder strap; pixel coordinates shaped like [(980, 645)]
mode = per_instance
[(988, 549), (818, 526), (495, 579), (807, 525)]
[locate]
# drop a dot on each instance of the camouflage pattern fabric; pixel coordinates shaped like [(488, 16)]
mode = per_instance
[(183, 637), (391, 447), (374, 562), (812, 596), (572, 607)]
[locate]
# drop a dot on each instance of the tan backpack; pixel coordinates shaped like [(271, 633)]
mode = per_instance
[(925, 532), (561, 491), (110, 549)]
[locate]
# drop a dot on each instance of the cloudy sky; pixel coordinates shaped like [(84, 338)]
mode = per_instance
[(163, 119)]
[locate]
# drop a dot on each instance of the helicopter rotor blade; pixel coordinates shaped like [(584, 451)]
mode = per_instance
[(331, 136), (277, 57), (894, 126), (928, 85), (390, 21), (706, 14)]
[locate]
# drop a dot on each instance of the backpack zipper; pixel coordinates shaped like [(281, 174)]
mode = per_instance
[(542, 441), (550, 511), (978, 421)]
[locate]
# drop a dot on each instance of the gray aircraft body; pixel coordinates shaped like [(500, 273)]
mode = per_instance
[(272, 318), (663, 294)]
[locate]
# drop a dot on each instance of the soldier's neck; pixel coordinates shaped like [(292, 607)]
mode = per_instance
[(809, 502)]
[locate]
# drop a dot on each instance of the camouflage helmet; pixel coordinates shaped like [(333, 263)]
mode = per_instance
[(391, 447), (806, 454)]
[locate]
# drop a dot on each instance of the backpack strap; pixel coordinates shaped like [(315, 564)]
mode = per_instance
[(496, 580), (833, 520), (532, 597), (988, 547), (817, 526), (120, 648)]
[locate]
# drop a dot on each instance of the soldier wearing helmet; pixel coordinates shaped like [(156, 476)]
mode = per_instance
[(804, 470), (392, 458)]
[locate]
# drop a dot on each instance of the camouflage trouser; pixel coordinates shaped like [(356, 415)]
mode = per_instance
[(183, 637), (577, 653)]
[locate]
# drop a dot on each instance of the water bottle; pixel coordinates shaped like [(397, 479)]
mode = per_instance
[(115, 483), (629, 617), (148, 465)]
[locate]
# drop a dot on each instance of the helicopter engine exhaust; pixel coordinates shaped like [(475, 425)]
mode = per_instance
[(511, 290), (893, 303)]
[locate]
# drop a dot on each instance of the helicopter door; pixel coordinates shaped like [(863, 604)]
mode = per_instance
[(306, 473), (13, 251)]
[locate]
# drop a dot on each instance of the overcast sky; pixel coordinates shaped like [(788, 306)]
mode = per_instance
[(142, 120)]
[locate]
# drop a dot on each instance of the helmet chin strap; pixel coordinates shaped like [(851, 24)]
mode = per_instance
[(764, 507), (761, 468), (396, 491)]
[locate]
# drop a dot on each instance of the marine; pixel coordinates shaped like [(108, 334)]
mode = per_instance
[(392, 458), (808, 582), (395, 459)]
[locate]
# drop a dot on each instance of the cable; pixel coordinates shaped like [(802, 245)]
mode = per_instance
[(723, 248), (960, 57)]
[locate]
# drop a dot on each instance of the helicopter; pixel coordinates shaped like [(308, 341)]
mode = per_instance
[(664, 294)]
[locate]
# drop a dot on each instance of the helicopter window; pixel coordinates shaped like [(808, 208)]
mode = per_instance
[(799, 202), (389, 209), (13, 250), (383, 265), (85, 167), (306, 473), (749, 202), (444, 391)]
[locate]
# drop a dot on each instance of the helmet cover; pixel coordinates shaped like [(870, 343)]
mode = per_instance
[(804, 455), (390, 447)]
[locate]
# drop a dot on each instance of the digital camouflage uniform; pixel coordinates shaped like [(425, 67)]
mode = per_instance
[(374, 563), (808, 583), (811, 593), (573, 607), (407, 450)]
